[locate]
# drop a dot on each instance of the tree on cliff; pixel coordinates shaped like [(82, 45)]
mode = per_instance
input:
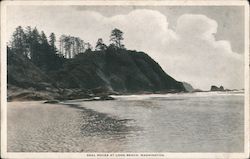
[(52, 40), (116, 38), (35, 46), (100, 46), (44, 39), (70, 46), (88, 46), (18, 41)]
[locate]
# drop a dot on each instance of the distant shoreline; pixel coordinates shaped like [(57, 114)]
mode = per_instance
[(32, 96)]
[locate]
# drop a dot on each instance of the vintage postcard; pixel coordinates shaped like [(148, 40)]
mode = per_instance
[(124, 79)]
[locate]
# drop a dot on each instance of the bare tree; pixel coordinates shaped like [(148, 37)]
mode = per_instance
[(71, 46)]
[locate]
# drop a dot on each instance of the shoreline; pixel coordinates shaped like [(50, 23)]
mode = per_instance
[(34, 96)]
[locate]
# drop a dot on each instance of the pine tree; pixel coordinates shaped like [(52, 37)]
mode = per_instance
[(18, 43), (44, 39), (116, 38), (52, 40), (36, 46)]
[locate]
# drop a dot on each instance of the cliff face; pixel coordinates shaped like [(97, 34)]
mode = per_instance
[(109, 71), (24, 74), (188, 87), (121, 71)]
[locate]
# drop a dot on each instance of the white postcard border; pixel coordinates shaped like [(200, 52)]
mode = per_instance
[(5, 154)]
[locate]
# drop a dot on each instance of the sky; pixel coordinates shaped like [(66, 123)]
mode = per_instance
[(202, 45)]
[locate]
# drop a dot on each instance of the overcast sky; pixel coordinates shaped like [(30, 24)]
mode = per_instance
[(203, 46)]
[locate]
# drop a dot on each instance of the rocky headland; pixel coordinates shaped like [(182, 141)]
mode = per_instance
[(89, 75)]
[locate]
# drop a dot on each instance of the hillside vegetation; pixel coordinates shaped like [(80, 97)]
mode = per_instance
[(44, 73)]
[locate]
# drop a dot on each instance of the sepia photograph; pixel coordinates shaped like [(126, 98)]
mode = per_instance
[(124, 79)]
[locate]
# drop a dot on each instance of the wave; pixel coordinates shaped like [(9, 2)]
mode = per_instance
[(176, 95)]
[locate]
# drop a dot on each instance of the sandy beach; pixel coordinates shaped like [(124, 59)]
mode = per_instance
[(38, 127)]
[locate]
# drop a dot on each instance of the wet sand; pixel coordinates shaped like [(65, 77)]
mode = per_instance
[(39, 127)]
